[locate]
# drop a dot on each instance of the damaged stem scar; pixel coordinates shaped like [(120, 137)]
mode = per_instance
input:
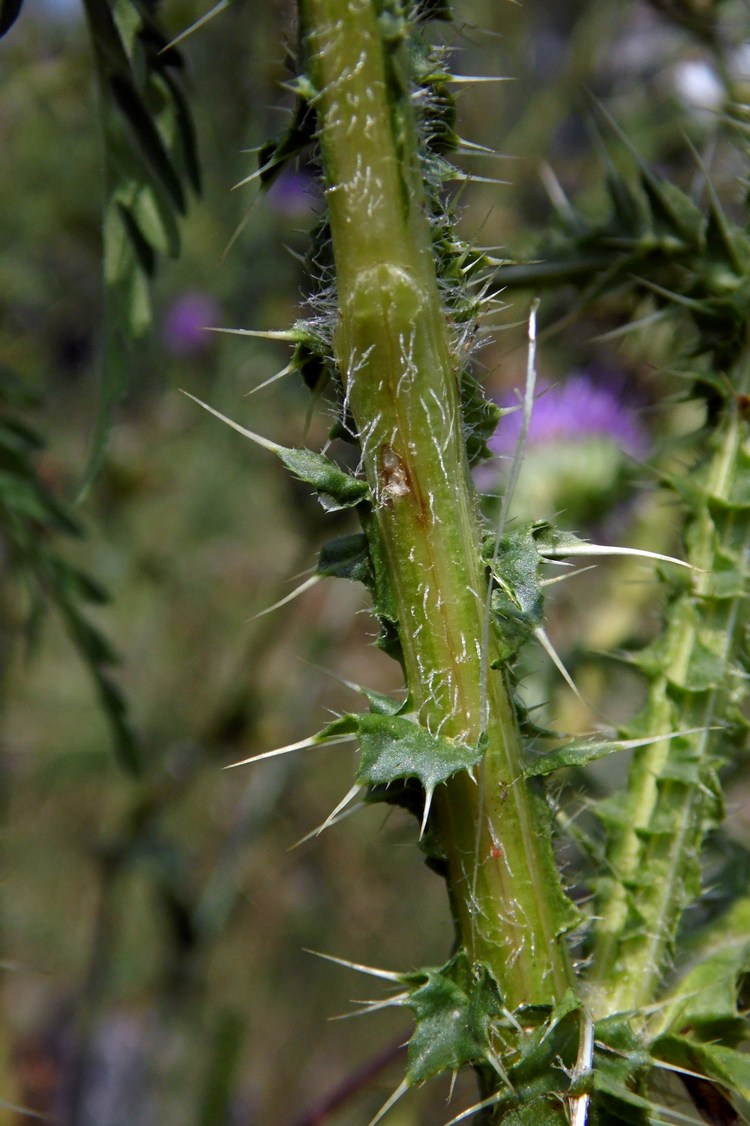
[(393, 477)]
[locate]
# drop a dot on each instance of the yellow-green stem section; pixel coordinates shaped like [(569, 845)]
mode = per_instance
[(661, 832), (401, 387)]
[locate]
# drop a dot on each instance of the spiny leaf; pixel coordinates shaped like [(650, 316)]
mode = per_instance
[(515, 568), (704, 999), (454, 1008), (325, 476), (275, 155), (727, 1067), (479, 416), (579, 752), (336, 487), (395, 747), (394, 750), (346, 557), (673, 212), (555, 543)]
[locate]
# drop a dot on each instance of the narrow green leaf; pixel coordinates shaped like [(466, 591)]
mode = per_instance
[(155, 220), (579, 752), (380, 703), (186, 135), (147, 136), (148, 143)]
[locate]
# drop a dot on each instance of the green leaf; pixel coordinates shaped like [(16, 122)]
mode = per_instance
[(705, 997), (149, 146), (394, 747), (25, 499), (337, 488), (545, 1055), (454, 1011), (380, 703), (155, 220), (383, 599), (515, 568), (629, 204), (146, 135), (578, 752), (275, 155), (724, 1066), (76, 583), (674, 213), (30, 516), (15, 436), (184, 140), (346, 557), (328, 480), (479, 417), (707, 666)]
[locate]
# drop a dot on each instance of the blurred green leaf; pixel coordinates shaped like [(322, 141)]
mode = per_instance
[(150, 151), (31, 518)]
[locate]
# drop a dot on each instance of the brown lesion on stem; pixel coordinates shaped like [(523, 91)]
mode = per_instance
[(393, 474)]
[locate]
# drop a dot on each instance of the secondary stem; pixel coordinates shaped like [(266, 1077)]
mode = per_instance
[(671, 796)]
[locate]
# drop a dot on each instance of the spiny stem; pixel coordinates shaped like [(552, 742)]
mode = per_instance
[(401, 386), (672, 793)]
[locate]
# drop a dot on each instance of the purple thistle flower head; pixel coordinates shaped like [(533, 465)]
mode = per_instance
[(582, 432), (183, 330), (575, 410)]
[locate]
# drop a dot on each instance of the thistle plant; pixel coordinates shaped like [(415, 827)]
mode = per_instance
[(566, 1013), (604, 1006)]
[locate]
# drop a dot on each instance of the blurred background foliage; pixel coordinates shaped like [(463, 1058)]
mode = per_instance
[(156, 921)]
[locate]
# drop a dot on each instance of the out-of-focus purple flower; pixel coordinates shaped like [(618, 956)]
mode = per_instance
[(183, 330), (576, 409), (583, 432), (294, 194)]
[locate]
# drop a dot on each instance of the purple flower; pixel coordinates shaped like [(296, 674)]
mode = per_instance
[(183, 331), (294, 194), (576, 409)]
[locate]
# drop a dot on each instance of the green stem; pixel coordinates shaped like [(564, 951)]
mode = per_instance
[(401, 386), (672, 797)]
